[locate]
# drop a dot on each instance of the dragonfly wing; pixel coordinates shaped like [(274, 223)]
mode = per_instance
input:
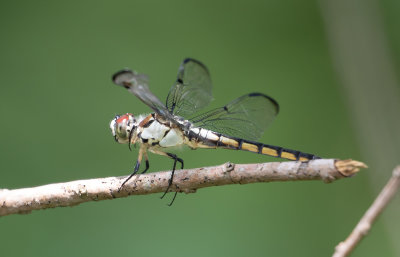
[(192, 89), (246, 117), (137, 84)]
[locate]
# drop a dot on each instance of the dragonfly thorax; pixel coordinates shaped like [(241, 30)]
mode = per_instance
[(123, 128)]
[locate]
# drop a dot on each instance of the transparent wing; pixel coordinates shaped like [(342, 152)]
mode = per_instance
[(246, 117), (192, 89), (137, 84)]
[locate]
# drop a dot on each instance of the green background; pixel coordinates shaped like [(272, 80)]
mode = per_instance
[(56, 99)]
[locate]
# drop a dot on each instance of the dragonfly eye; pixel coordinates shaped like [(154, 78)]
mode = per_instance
[(121, 127)]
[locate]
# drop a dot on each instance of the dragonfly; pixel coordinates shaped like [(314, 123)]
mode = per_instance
[(236, 126)]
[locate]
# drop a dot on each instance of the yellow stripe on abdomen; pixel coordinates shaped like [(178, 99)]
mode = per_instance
[(229, 141), (304, 159), (250, 147), (269, 151), (288, 155)]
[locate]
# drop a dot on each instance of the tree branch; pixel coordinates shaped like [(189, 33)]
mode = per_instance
[(364, 225), (188, 181)]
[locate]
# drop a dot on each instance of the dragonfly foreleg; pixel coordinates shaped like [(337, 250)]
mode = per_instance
[(142, 151)]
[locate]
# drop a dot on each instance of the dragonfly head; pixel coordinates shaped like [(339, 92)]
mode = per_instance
[(122, 126)]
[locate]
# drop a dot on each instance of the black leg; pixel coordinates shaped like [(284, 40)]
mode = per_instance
[(137, 166), (173, 199), (176, 159), (147, 166)]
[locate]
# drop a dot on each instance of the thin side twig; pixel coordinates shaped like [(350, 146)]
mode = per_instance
[(188, 181), (364, 225)]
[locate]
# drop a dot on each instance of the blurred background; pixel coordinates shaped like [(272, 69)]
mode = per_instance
[(332, 65)]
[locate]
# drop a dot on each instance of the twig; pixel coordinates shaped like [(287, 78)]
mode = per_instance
[(364, 225), (73, 193)]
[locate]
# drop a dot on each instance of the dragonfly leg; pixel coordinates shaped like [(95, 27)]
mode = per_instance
[(176, 159), (147, 162), (137, 166)]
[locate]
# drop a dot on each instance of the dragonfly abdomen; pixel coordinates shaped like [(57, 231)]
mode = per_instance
[(210, 139), (271, 150)]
